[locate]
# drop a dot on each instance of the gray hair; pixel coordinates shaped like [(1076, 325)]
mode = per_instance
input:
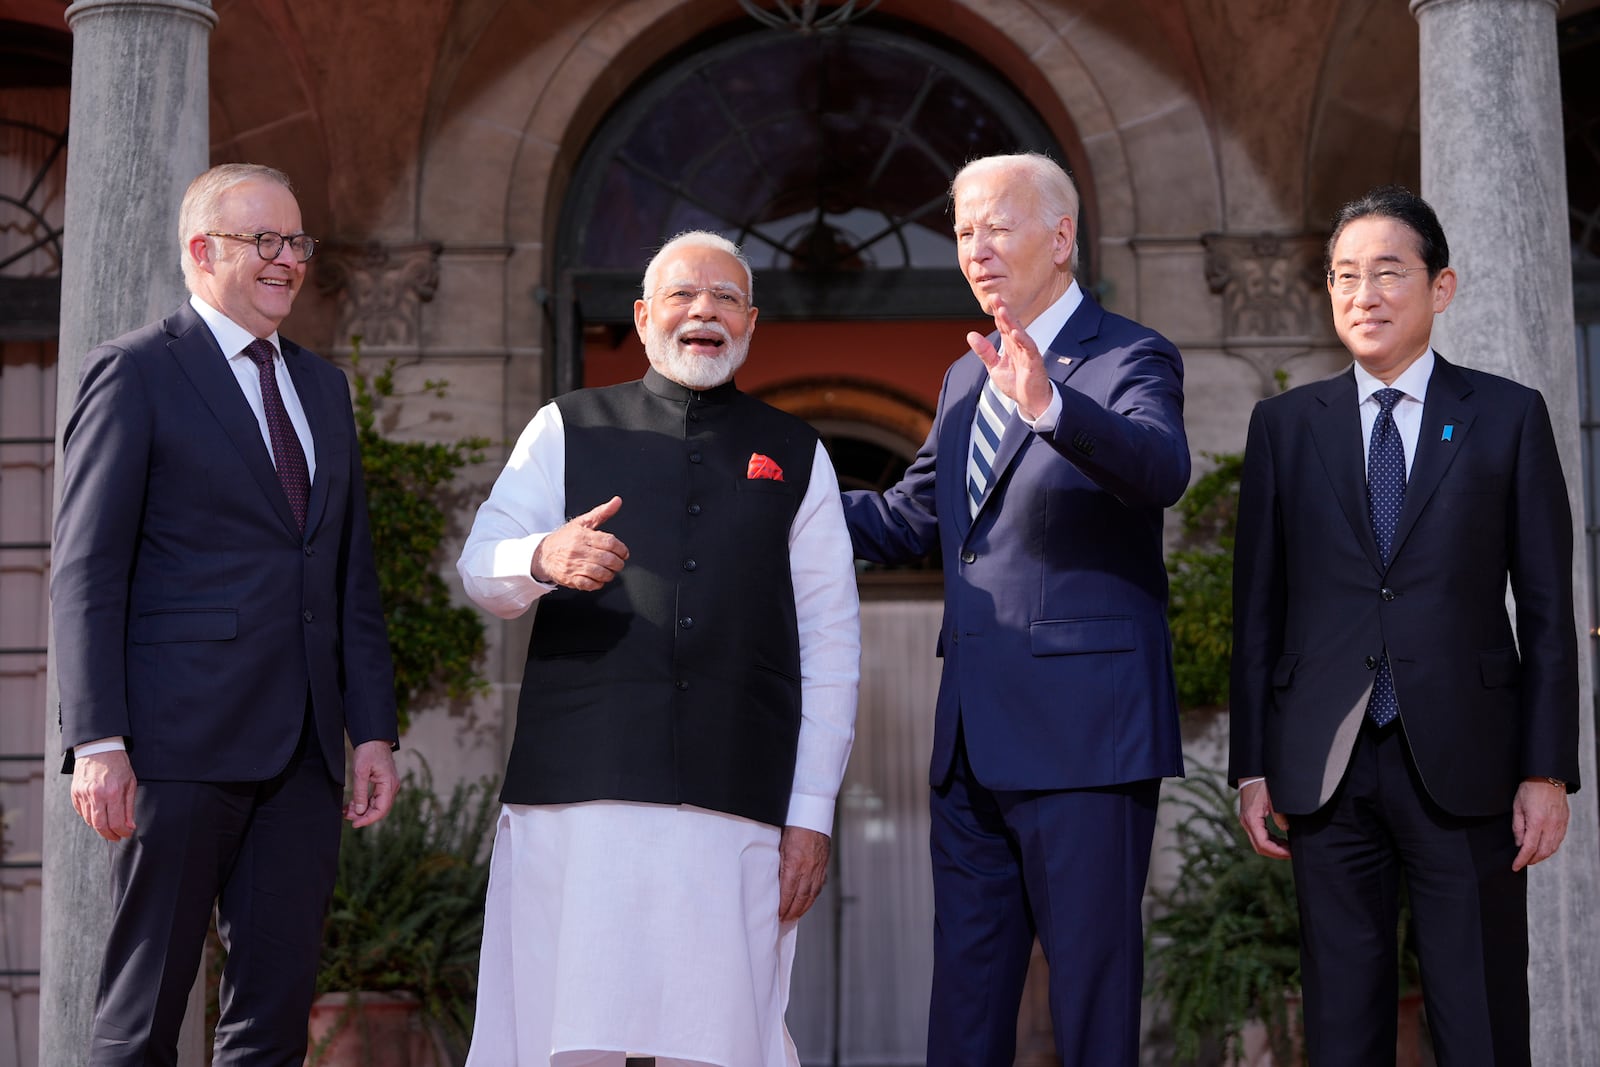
[(201, 209), (697, 239), (1058, 196)]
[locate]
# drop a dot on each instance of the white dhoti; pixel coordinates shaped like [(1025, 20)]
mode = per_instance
[(632, 928)]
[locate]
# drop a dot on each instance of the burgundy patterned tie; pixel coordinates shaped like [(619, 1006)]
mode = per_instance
[(287, 454)]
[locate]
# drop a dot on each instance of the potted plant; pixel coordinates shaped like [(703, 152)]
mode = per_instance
[(1224, 946), (399, 968)]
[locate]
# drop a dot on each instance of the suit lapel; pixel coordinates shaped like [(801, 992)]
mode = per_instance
[(1447, 404), (965, 385), (198, 356), (1335, 426), (314, 402)]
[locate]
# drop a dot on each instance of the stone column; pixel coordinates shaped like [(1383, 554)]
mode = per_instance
[(138, 136), (1494, 169)]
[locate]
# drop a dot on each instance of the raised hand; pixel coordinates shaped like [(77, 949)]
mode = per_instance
[(1016, 368)]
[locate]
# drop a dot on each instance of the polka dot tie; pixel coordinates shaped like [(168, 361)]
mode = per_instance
[(287, 454), (1386, 491)]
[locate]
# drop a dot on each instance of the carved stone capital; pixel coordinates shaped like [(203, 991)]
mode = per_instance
[(379, 289), (1271, 287)]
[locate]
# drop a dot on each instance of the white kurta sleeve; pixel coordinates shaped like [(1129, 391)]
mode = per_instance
[(528, 501), (829, 615)]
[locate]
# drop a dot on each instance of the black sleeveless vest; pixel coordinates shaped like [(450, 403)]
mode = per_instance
[(679, 681)]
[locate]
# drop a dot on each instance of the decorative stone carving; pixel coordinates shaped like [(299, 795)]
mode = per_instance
[(1271, 285), (380, 289), (1274, 305)]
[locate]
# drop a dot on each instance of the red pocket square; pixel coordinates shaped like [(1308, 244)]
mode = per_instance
[(763, 467)]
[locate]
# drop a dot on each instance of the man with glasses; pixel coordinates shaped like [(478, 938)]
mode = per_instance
[(217, 636), (688, 701), (1387, 712)]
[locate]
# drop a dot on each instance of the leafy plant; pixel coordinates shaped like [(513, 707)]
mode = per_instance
[(1224, 946), (437, 645), (1200, 580), (407, 911)]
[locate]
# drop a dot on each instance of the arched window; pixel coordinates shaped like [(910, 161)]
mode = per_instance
[(826, 156)]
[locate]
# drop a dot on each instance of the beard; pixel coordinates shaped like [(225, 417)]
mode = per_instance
[(686, 368)]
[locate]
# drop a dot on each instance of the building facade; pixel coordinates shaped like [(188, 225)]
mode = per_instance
[(488, 178)]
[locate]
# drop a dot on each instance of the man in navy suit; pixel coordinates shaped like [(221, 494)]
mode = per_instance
[(217, 635), (1386, 710), (1057, 716)]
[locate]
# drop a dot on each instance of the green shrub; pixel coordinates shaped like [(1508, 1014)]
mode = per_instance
[(1200, 577), (407, 911), (437, 645)]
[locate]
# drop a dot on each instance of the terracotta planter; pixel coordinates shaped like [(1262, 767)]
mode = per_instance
[(1254, 1048), (373, 1030)]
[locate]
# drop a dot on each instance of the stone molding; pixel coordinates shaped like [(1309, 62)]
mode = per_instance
[(199, 10), (1274, 306), (379, 289)]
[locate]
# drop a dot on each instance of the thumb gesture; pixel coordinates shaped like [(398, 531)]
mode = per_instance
[(580, 555)]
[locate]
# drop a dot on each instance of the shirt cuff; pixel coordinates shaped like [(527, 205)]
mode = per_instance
[(1251, 781), (1049, 418), (810, 813), (94, 748)]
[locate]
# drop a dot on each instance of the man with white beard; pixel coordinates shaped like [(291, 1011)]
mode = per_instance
[(688, 702)]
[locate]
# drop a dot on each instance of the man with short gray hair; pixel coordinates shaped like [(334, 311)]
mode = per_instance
[(1057, 442), (688, 702), (218, 634)]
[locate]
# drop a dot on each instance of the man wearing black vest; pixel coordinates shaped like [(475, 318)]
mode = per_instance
[(688, 702)]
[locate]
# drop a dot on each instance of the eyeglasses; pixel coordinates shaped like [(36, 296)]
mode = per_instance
[(682, 296), (269, 244), (1385, 278)]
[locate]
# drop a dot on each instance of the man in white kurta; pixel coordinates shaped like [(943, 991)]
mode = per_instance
[(616, 926)]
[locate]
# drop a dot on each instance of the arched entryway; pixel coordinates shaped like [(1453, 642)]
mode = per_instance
[(833, 177)]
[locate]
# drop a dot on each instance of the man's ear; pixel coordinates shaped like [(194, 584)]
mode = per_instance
[(198, 249), (1066, 237), (641, 318), (1444, 289)]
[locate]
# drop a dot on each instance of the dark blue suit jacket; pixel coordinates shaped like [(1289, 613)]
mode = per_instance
[(1314, 607), (191, 615), (1057, 659)]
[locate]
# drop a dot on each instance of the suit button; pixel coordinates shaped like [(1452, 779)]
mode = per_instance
[(310, 551), (681, 684), (686, 622), (694, 457), (694, 416), (1387, 593), (968, 556), (306, 615), (689, 564), (1372, 663), (694, 509)]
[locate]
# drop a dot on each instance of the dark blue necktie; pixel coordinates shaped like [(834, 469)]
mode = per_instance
[(1386, 491)]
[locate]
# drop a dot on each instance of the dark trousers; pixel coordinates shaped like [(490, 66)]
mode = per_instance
[(1468, 909), (1068, 866), (265, 854)]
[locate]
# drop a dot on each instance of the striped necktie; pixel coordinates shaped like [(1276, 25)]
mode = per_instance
[(987, 427)]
